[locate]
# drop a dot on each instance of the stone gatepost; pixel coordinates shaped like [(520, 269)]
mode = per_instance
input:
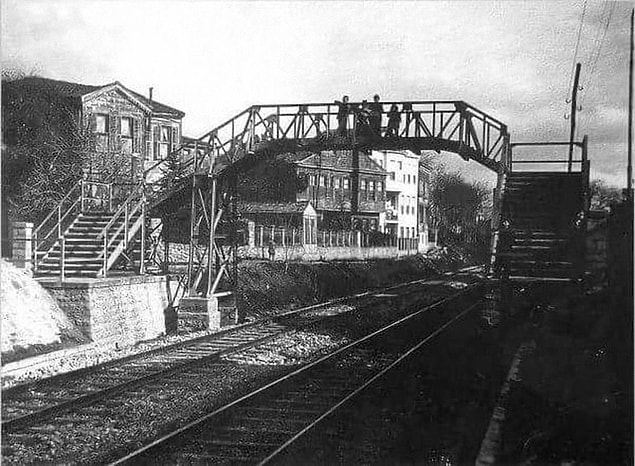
[(22, 251)]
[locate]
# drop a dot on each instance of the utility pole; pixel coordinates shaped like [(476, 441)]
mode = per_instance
[(629, 169), (574, 98)]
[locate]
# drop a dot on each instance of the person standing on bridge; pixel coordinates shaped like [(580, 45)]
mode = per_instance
[(376, 110), (394, 120), (342, 115), (363, 116)]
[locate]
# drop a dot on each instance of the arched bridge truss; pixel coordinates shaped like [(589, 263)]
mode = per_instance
[(452, 126)]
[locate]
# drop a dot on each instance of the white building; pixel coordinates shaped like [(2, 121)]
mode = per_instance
[(402, 185)]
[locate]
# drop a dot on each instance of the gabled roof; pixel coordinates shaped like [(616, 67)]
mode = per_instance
[(76, 92), (158, 107), (63, 88)]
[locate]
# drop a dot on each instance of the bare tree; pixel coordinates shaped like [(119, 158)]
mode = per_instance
[(603, 196), (45, 149), (459, 209)]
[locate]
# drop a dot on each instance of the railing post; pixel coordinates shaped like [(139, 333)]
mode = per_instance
[(125, 226), (62, 241), (142, 267), (34, 252), (110, 197), (81, 195), (59, 220), (585, 172), (105, 252)]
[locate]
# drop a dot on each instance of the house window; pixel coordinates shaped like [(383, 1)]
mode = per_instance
[(338, 182), (391, 175), (400, 166), (101, 130), (380, 186), (401, 209), (101, 124), (126, 135), (322, 182), (312, 180), (371, 185), (363, 185), (347, 183), (164, 141)]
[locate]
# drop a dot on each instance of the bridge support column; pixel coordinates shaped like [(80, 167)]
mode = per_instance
[(196, 314)]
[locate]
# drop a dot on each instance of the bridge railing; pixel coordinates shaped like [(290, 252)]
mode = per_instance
[(440, 125), (550, 156)]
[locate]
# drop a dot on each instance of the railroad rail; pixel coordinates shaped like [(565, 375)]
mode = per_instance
[(258, 427), (27, 404)]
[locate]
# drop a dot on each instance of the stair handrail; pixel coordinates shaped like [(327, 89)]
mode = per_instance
[(124, 226), (122, 208), (37, 239), (125, 210), (57, 209)]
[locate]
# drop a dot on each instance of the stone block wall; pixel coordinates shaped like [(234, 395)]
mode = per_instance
[(120, 309), (318, 253)]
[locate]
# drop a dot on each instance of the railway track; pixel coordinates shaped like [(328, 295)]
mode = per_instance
[(82, 402), (260, 426), (27, 404)]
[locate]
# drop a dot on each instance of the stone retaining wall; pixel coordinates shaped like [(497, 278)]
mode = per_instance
[(119, 309)]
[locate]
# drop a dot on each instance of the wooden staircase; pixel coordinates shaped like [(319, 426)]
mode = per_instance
[(86, 243), (541, 237), (84, 249)]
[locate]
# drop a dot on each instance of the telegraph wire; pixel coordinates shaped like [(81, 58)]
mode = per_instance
[(599, 50), (577, 43), (593, 59)]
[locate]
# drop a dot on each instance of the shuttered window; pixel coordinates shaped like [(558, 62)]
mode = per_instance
[(101, 132), (155, 140), (127, 135), (175, 137), (164, 141)]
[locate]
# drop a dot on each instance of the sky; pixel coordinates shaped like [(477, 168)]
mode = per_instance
[(212, 59)]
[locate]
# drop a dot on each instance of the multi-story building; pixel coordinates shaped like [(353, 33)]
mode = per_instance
[(346, 187), (427, 238), (125, 131), (402, 188)]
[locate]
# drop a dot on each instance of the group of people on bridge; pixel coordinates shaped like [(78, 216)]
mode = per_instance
[(368, 117)]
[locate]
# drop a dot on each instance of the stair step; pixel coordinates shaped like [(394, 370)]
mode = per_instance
[(539, 241), (524, 278)]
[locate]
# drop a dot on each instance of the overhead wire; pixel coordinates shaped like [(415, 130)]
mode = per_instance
[(601, 44), (577, 43), (596, 51)]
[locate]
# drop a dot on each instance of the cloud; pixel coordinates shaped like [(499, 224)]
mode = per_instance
[(213, 59)]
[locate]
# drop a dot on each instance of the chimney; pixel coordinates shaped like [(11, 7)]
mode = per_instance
[(150, 93)]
